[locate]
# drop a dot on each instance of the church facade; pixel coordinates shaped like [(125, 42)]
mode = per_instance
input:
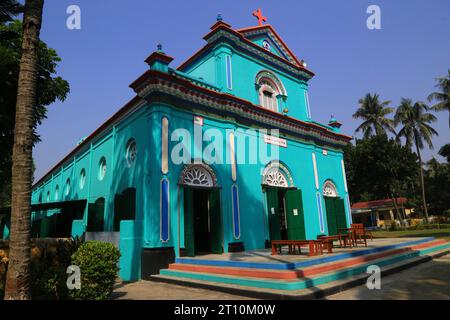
[(218, 155)]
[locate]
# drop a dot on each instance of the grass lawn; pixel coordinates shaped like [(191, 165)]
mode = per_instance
[(437, 233)]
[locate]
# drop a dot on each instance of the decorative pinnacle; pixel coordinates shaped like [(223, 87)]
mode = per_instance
[(159, 47), (219, 17)]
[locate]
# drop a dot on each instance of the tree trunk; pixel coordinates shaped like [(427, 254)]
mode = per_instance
[(422, 184), (399, 216), (17, 280)]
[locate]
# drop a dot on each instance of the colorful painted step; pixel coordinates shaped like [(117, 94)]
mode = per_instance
[(310, 276), (298, 273), (299, 264)]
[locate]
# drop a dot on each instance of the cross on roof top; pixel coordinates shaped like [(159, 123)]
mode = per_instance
[(259, 16)]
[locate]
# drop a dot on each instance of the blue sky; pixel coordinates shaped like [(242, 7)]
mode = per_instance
[(349, 60)]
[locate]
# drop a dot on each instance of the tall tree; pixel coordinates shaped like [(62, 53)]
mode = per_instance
[(379, 168), (416, 129), (443, 96), (17, 279), (374, 115), (444, 151), (49, 88)]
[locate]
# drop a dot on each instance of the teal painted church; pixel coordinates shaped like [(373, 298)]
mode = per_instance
[(218, 155)]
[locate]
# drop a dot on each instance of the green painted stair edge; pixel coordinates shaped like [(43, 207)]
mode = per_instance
[(298, 285)]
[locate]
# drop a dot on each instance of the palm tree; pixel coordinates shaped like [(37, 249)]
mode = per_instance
[(374, 113), (17, 279), (442, 97), (416, 129), (9, 9)]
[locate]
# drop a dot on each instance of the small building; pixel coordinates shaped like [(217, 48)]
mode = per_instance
[(380, 213), (220, 154)]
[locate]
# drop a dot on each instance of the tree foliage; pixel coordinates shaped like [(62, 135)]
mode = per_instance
[(49, 89), (374, 113), (442, 97), (378, 167)]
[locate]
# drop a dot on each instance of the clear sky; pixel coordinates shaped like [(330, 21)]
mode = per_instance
[(349, 60)]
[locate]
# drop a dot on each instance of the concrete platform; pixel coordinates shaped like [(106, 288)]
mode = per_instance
[(261, 275)]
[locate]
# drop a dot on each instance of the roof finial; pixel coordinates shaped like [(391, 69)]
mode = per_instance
[(159, 47), (259, 16), (219, 17)]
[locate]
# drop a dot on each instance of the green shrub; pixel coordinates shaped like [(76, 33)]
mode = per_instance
[(98, 263)]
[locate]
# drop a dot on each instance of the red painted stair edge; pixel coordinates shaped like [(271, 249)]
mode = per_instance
[(300, 273)]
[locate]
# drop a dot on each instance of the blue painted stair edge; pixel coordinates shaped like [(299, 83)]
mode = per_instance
[(300, 264), (308, 282)]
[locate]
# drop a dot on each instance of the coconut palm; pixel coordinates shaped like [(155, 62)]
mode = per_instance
[(416, 129), (442, 97), (373, 113), (17, 279)]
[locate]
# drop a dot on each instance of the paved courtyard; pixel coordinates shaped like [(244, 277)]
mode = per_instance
[(430, 280)]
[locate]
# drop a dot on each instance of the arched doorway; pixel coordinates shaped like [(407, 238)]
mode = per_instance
[(284, 203), (96, 215), (335, 208), (202, 213)]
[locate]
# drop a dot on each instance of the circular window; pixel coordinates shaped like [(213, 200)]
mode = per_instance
[(56, 192), (67, 190), (102, 169), (266, 45), (82, 178), (131, 152)]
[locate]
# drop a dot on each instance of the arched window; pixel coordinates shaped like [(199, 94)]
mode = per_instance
[(198, 175), (270, 88), (268, 93), (329, 189), (275, 174), (102, 169), (131, 151)]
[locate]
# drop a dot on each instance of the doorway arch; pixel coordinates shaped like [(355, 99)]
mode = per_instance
[(334, 207), (284, 203), (202, 210)]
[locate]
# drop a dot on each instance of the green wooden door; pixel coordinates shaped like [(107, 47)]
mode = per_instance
[(336, 219), (215, 222), (189, 239), (341, 220), (331, 216), (273, 213), (295, 215)]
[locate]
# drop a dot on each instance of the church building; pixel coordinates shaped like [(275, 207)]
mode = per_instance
[(218, 155)]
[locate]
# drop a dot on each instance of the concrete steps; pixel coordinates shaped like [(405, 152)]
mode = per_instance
[(309, 281)]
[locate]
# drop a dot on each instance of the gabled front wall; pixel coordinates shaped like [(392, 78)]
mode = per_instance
[(212, 67)]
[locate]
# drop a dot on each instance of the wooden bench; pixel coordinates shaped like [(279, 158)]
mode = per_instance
[(315, 246)]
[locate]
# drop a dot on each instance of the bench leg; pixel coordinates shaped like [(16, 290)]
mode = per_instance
[(312, 251)]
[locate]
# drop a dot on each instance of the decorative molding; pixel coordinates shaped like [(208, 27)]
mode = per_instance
[(232, 157), (198, 175), (236, 212), (237, 107), (164, 205), (164, 145), (258, 51), (329, 189), (272, 77), (275, 174)]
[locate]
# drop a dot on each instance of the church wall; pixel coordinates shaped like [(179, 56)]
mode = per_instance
[(244, 70)]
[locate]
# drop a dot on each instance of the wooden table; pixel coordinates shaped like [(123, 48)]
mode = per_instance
[(344, 241), (315, 246)]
